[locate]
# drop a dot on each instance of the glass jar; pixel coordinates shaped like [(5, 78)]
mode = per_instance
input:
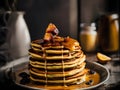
[(88, 37), (108, 33)]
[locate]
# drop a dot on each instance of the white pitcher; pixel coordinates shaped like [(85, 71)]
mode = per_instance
[(18, 37)]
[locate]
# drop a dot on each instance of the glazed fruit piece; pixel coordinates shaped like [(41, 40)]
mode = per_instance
[(50, 32), (102, 58)]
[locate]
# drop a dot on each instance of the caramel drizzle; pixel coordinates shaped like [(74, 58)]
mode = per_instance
[(44, 55), (63, 68)]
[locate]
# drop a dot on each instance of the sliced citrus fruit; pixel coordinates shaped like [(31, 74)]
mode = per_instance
[(102, 58)]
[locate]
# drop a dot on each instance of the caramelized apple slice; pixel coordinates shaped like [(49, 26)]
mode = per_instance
[(58, 39), (50, 32), (70, 43), (52, 29), (47, 36)]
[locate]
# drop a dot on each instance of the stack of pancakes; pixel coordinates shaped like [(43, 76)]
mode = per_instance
[(55, 60)]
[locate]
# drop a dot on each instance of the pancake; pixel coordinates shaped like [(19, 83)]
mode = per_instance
[(60, 82), (57, 74), (57, 63), (56, 60)]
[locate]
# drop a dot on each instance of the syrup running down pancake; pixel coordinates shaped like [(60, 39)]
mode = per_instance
[(56, 60)]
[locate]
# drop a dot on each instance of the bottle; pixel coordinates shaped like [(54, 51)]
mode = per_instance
[(108, 33), (88, 37), (18, 37)]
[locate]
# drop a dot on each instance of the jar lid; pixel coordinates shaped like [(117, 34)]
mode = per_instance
[(86, 26), (114, 16)]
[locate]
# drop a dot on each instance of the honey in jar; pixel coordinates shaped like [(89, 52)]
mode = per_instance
[(108, 33), (88, 37)]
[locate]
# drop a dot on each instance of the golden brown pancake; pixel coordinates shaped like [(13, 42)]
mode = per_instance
[(56, 60)]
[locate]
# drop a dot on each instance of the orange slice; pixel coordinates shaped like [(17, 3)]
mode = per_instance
[(102, 58)]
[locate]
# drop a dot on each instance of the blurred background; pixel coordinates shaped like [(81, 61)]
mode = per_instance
[(74, 18), (71, 17), (66, 15)]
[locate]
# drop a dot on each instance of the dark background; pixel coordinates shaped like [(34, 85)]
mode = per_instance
[(65, 14)]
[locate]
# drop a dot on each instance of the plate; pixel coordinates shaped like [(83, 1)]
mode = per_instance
[(23, 67)]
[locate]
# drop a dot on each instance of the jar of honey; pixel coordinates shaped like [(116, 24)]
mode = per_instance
[(108, 33), (88, 37)]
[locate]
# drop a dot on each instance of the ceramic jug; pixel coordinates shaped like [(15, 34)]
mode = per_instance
[(18, 37), (108, 33)]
